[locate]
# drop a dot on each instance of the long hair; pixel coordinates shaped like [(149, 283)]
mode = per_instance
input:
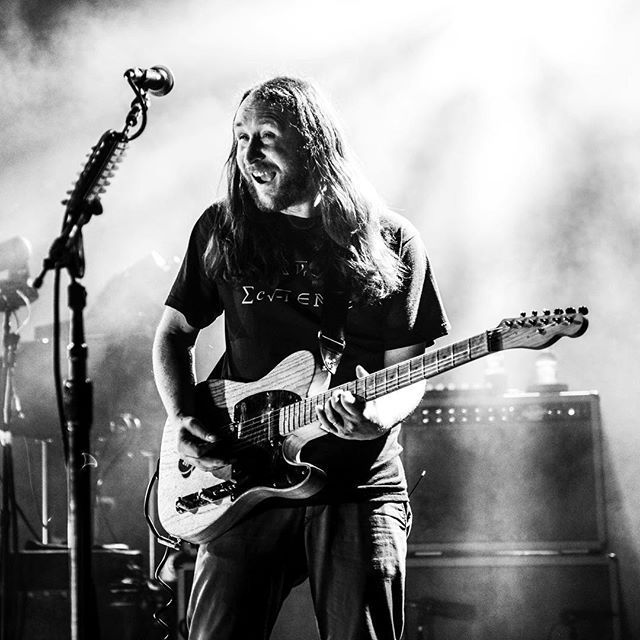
[(354, 242)]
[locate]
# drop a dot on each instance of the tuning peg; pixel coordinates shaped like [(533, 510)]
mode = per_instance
[(534, 313), (558, 312), (583, 310), (570, 310), (523, 314), (547, 312)]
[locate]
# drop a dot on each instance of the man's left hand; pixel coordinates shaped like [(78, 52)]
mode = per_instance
[(347, 416)]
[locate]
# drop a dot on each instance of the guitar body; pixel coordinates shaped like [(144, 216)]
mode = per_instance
[(198, 506)]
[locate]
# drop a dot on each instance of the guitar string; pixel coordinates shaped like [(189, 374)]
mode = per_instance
[(254, 430)]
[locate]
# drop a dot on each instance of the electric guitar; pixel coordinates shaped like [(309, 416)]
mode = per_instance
[(267, 423)]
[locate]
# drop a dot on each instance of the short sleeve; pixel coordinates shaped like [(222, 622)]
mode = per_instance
[(416, 313), (194, 293)]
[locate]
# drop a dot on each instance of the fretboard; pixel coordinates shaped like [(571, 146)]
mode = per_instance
[(393, 378)]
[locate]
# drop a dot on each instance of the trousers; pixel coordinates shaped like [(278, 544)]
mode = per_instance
[(354, 555)]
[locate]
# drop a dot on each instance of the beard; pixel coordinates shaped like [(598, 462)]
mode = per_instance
[(292, 189)]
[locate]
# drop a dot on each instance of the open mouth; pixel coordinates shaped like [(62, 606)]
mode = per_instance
[(263, 177)]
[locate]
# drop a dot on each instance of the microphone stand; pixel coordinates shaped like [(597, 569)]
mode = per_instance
[(67, 252)]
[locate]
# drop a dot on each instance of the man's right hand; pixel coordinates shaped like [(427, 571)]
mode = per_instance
[(198, 446)]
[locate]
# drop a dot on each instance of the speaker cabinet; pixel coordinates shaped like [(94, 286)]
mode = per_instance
[(43, 604), (528, 597), (513, 472)]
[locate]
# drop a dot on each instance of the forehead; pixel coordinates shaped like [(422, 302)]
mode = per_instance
[(255, 110)]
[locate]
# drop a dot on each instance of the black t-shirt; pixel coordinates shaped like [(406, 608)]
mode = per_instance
[(263, 325)]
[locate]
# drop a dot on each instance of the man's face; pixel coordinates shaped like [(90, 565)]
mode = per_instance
[(269, 157)]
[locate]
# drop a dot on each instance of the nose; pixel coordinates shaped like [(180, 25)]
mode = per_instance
[(254, 149)]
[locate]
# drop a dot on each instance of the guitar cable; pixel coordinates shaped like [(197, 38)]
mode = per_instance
[(170, 543)]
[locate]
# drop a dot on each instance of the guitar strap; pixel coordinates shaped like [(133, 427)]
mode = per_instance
[(331, 337)]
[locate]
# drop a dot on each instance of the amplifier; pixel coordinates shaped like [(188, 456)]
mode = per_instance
[(528, 597), (43, 605), (512, 472)]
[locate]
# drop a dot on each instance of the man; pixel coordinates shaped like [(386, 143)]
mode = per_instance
[(298, 224)]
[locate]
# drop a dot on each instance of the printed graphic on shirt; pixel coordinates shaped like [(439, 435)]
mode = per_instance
[(253, 295), (301, 268)]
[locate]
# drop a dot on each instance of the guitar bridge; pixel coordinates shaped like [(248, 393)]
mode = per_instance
[(193, 501)]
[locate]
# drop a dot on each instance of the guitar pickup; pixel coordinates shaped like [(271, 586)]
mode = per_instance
[(217, 491), (193, 501)]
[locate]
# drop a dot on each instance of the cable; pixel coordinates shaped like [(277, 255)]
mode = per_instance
[(57, 373), (423, 473), (170, 543), (164, 606)]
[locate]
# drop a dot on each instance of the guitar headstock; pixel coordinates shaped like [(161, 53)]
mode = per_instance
[(538, 330)]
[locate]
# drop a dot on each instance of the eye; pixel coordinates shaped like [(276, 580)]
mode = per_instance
[(242, 137), (268, 135)]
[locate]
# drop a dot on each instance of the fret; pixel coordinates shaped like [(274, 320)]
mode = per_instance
[(445, 360), (416, 369), (404, 374), (479, 345), (383, 386), (430, 363), (392, 379), (370, 387), (461, 352)]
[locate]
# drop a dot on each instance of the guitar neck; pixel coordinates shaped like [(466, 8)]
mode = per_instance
[(419, 368), (395, 377)]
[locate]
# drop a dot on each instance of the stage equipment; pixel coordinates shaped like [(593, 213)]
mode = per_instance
[(15, 289), (66, 252), (158, 80), (14, 258), (15, 292), (529, 596), (511, 472), (123, 595)]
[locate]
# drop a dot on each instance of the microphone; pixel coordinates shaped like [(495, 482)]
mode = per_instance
[(158, 80)]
